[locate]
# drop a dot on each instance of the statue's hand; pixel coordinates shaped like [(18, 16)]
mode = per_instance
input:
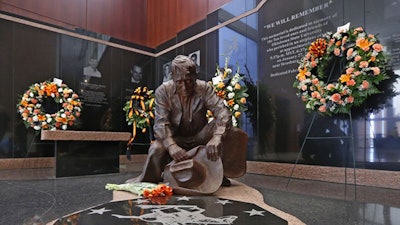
[(214, 148), (177, 153)]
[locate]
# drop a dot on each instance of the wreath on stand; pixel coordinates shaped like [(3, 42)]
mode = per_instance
[(139, 112), (50, 105), (342, 70)]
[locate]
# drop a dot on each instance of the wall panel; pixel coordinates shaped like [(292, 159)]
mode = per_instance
[(143, 22)]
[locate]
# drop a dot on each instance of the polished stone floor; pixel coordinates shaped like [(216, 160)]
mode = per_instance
[(35, 197)]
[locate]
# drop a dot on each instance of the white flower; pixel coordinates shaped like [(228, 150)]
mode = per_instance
[(36, 127), (228, 70), (229, 88), (35, 119), (236, 107), (60, 90), (234, 121), (231, 95), (31, 95), (216, 80), (63, 115), (49, 120), (64, 126)]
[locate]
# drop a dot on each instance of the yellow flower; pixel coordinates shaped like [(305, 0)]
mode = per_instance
[(220, 85), (344, 78), (302, 74), (237, 86), (363, 43), (237, 114)]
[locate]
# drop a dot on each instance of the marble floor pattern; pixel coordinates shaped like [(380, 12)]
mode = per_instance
[(33, 196)]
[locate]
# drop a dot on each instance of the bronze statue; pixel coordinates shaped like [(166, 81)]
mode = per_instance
[(184, 137)]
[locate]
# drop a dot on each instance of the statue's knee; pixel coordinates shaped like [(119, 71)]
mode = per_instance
[(157, 148)]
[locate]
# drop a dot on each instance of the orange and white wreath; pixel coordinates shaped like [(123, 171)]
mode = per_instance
[(49, 106), (358, 58)]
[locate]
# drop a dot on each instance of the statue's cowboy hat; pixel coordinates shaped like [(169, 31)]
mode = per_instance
[(195, 176)]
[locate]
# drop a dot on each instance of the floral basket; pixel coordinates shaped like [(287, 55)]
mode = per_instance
[(230, 87)]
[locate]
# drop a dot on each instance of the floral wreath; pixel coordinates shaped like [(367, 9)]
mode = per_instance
[(139, 110), (232, 90), (32, 106), (361, 68)]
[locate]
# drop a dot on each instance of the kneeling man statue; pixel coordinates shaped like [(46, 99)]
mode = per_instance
[(191, 154)]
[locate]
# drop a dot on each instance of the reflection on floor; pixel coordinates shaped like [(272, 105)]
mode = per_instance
[(43, 199), (174, 210)]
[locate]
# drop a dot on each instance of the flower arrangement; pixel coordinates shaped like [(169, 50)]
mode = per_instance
[(145, 189), (232, 90), (63, 106), (140, 110), (359, 62)]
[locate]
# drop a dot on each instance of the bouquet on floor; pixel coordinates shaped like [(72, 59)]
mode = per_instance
[(145, 189)]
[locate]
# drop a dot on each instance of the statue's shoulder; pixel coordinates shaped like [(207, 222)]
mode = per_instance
[(166, 87), (202, 84)]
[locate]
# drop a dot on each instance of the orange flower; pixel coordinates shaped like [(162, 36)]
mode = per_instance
[(318, 47), (322, 108), (349, 52), (377, 47), (231, 102), (336, 97), (237, 114), (41, 117), (61, 120), (237, 86), (344, 78), (350, 83), (350, 99), (50, 89), (243, 100), (363, 43), (220, 85), (349, 70), (376, 70), (70, 107), (315, 94), (24, 103), (159, 190), (302, 74), (221, 94), (365, 84)]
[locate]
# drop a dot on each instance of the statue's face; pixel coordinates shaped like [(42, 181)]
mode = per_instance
[(184, 84)]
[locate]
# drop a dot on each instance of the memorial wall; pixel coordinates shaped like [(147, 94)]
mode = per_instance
[(285, 34), (266, 46)]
